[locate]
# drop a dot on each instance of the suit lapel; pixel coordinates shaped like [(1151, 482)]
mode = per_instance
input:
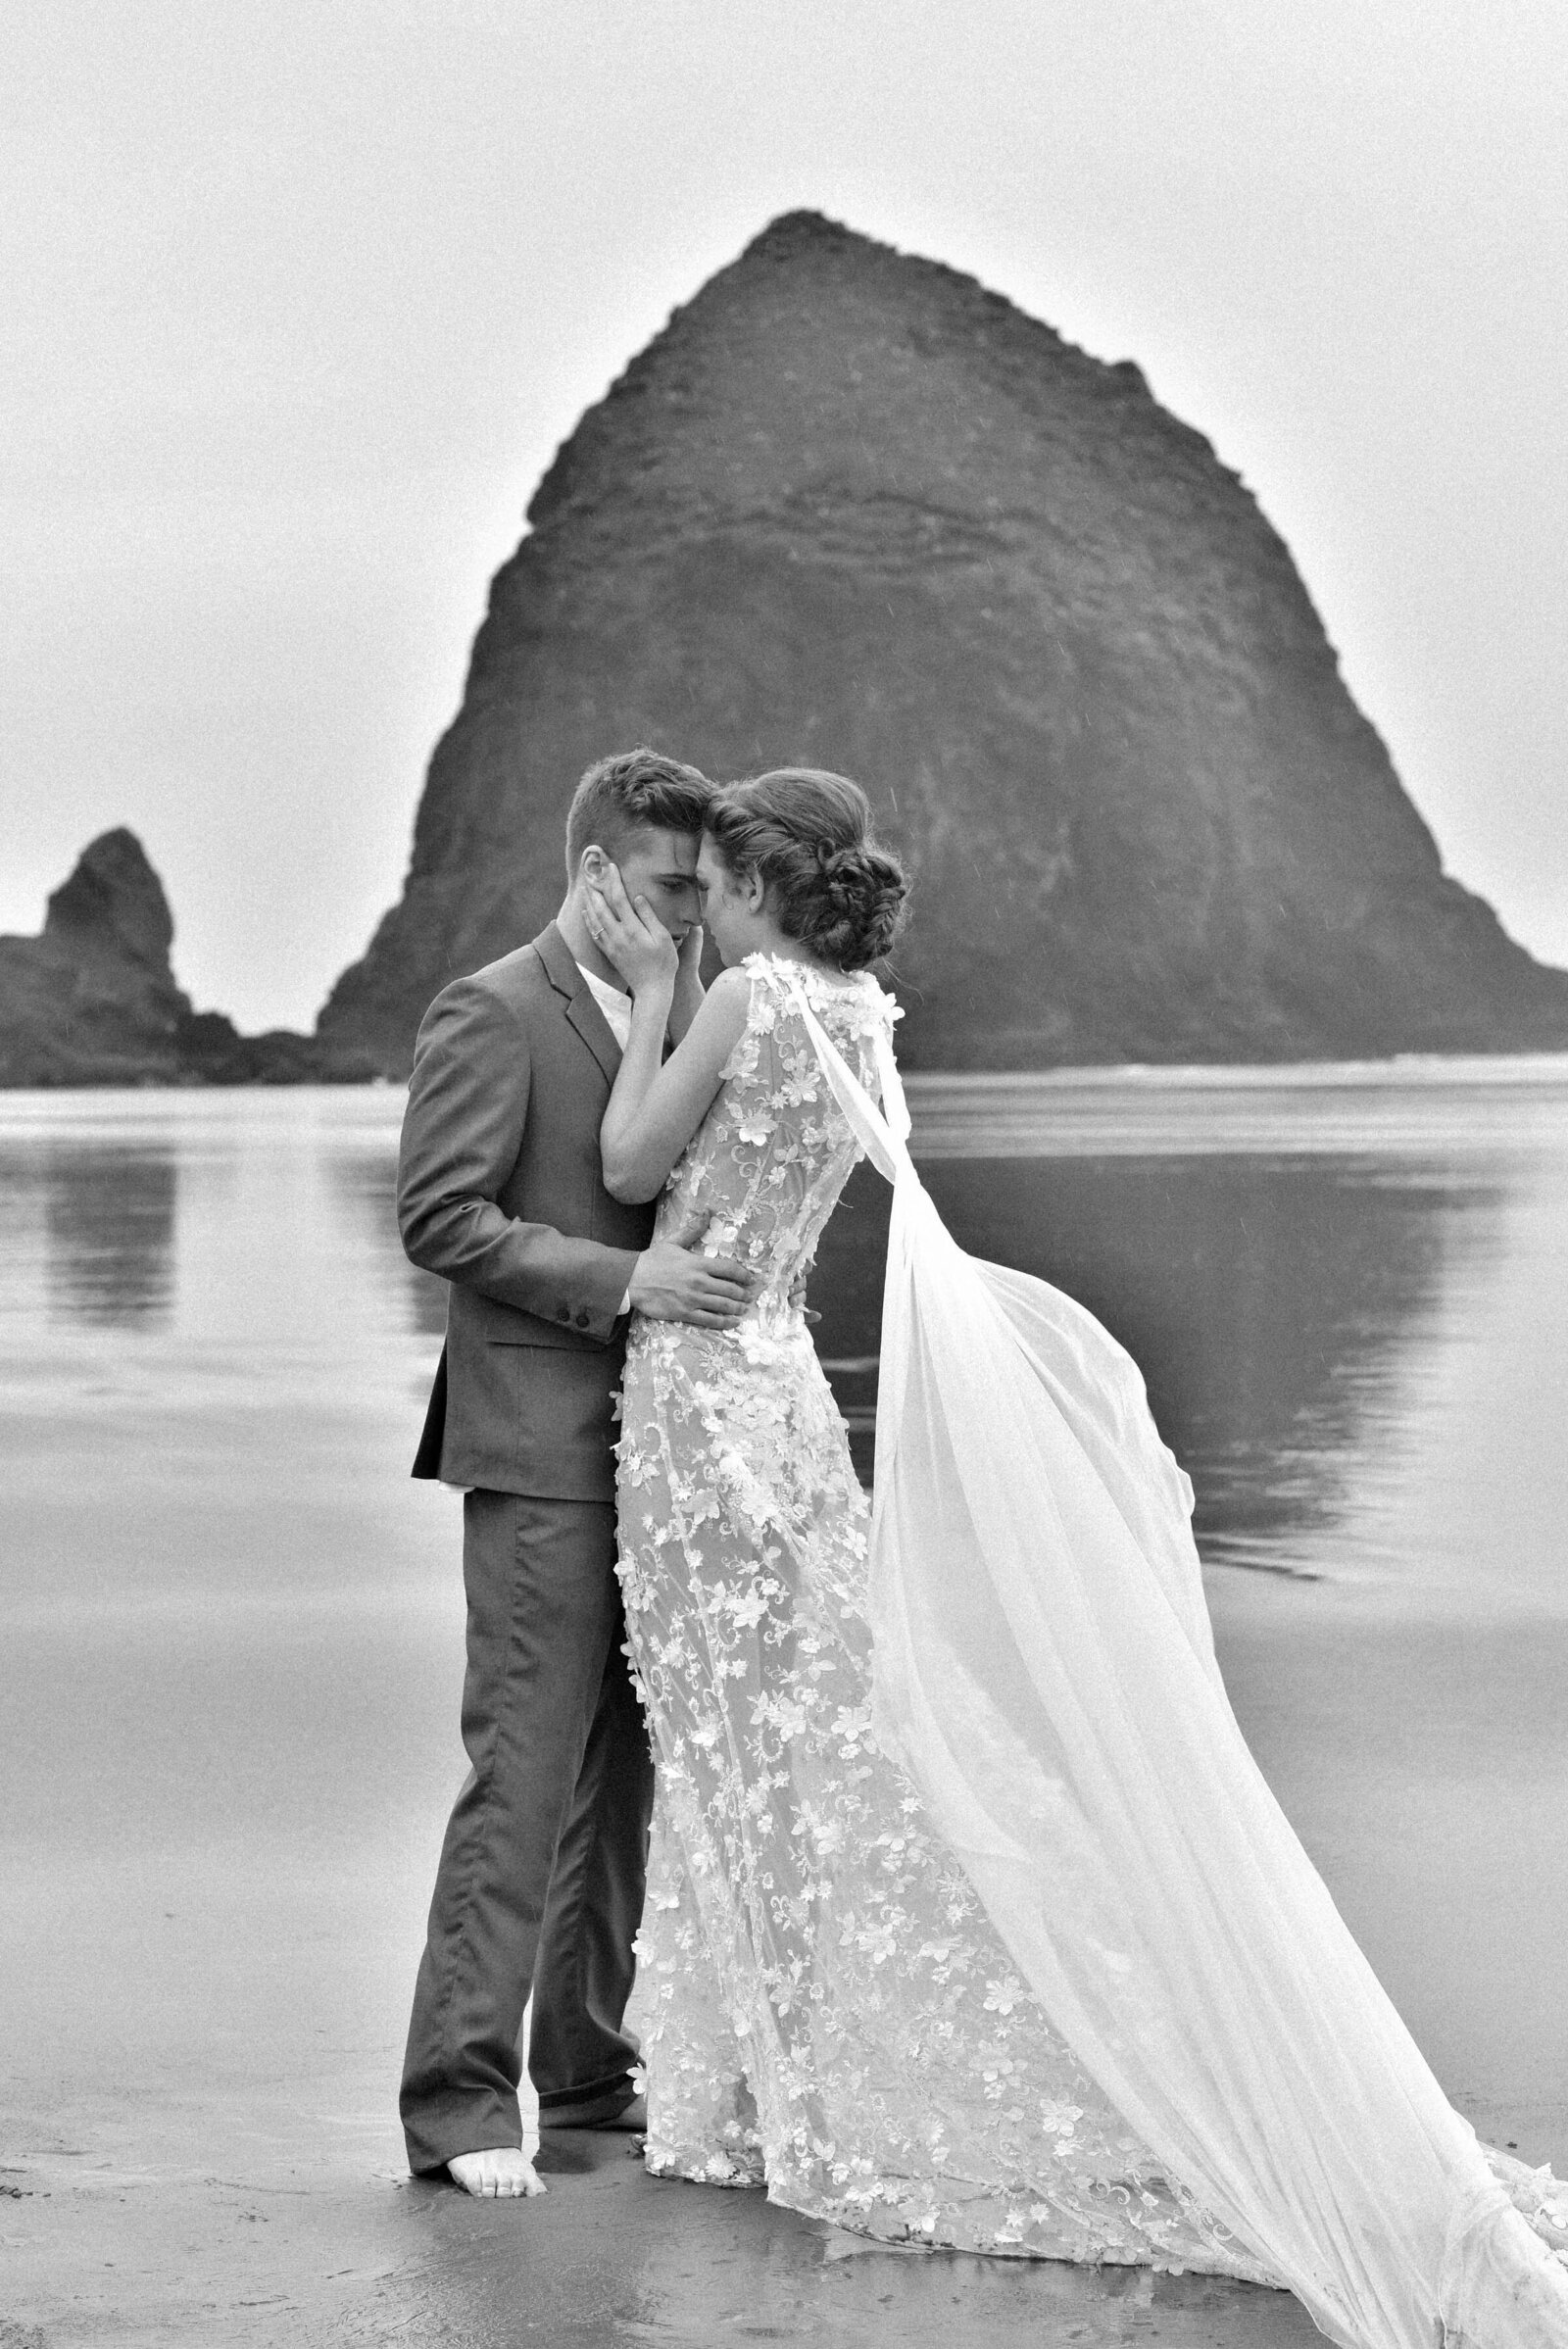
[(579, 1004)]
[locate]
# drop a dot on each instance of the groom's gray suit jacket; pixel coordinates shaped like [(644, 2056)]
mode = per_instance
[(501, 1192)]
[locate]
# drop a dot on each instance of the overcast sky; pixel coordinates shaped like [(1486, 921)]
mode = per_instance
[(301, 298)]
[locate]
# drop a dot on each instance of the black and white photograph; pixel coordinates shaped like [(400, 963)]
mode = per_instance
[(784, 1174)]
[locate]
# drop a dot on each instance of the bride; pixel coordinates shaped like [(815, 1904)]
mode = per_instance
[(971, 1920)]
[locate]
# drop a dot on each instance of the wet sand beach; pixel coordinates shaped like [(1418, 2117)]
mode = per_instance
[(235, 1646)]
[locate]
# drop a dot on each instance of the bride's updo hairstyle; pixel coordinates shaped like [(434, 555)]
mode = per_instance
[(809, 835)]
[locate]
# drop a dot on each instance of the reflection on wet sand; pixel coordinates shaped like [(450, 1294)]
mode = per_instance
[(1270, 1303), (367, 1186), (1273, 1303), (109, 1219), (693, 2265)]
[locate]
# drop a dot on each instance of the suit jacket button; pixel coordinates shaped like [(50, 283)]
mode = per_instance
[(562, 1312), (582, 1321)]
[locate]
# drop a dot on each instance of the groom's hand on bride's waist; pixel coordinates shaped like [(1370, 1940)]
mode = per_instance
[(673, 1284)]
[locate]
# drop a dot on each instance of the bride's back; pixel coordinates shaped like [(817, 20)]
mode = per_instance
[(762, 1173)]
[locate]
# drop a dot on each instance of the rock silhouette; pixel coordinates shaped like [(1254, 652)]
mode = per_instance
[(851, 509), (92, 1000)]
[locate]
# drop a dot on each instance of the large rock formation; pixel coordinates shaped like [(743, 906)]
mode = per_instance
[(92, 1000), (851, 509)]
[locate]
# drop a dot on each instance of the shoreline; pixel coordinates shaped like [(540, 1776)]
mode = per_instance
[(1507, 1064), (1407, 1109)]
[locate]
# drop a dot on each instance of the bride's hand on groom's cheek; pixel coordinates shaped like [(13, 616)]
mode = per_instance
[(629, 932)]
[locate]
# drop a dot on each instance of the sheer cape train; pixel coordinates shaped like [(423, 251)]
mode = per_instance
[(1044, 1672)]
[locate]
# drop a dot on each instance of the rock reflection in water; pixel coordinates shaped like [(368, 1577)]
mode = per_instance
[(110, 1220), (368, 1184), (1270, 1303), (1273, 1303)]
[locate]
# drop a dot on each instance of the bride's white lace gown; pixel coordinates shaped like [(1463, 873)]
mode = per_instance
[(827, 2007)]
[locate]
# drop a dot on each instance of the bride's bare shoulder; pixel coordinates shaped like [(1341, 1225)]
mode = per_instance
[(725, 1007), (734, 982)]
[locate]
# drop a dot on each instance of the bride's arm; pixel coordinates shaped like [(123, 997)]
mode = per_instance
[(657, 1106)]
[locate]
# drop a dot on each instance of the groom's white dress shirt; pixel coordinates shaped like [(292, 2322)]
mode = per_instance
[(616, 1006)]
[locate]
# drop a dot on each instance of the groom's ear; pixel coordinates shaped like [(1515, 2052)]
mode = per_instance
[(601, 868)]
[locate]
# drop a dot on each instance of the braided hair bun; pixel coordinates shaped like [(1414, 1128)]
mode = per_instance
[(807, 833)]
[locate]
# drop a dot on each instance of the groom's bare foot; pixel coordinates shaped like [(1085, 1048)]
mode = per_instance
[(499, 2173)]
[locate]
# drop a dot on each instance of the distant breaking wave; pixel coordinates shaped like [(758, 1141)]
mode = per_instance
[(1408, 1106)]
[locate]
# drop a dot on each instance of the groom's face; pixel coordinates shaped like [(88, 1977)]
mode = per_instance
[(661, 866)]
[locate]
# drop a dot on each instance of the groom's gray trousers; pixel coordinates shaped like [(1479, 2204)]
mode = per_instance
[(542, 1870), (500, 1192)]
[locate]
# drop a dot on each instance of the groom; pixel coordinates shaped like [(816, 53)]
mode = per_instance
[(541, 1879)]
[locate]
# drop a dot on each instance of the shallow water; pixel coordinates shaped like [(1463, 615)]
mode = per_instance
[(233, 1626)]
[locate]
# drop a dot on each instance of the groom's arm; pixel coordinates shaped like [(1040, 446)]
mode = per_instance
[(461, 1134)]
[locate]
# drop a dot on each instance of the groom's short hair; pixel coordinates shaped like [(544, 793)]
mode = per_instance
[(635, 790)]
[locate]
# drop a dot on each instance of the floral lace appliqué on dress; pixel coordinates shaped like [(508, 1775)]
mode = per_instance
[(826, 2009)]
